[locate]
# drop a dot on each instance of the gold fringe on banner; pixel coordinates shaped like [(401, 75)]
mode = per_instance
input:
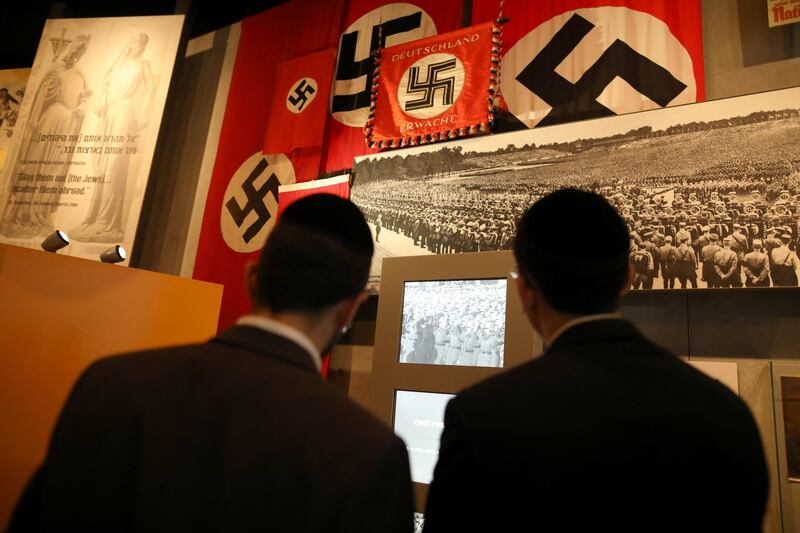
[(417, 140)]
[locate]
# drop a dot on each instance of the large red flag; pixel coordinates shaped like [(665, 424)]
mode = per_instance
[(370, 24), (299, 111), (242, 197), (300, 103), (568, 60)]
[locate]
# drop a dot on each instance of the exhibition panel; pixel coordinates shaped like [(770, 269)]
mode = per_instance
[(87, 130), (12, 91)]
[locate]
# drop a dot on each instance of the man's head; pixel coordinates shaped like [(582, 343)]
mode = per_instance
[(315, 263), (558, 275), (757, 244)]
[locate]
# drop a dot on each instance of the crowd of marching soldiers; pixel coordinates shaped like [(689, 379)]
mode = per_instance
[(697, 238), (445, 236), (432, 340), (722, 258), (465, 327), (447, 218), (719, 240)]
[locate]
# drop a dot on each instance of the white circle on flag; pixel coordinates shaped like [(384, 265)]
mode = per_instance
[(250, 202), (431, 85), (644, 33), (301, 95), (419, 24)]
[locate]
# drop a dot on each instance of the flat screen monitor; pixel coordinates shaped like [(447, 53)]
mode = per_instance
[(454, 322), (419, 420)]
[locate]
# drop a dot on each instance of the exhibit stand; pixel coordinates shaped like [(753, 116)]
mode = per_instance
[(58, 314), (444, 322)]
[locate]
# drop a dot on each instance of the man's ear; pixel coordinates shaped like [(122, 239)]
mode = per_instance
[(526, 294), (349, 308), (628, 281), (251, 280)]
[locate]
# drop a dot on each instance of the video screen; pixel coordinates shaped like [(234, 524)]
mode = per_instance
[(454, 322), (419, 420)]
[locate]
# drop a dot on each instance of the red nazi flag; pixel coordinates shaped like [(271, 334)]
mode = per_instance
[(299, 108), (567, 60)]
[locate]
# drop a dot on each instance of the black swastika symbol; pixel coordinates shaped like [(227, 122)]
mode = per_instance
[(255, 201), (350, 69), (579, 101), (431, 86), (300, 95)]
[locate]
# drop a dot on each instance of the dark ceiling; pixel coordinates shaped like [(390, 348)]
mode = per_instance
[(22, 21)]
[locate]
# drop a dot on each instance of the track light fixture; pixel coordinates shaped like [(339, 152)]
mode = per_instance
[(55, 241), (115, 254)]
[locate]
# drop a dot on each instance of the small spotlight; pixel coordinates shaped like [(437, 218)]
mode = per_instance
[(115, 254), (55, 241)]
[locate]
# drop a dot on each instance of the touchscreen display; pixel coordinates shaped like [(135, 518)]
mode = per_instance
[(419, 420)]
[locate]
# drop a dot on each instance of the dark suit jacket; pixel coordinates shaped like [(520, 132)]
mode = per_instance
[(605, 432), (238, 434)]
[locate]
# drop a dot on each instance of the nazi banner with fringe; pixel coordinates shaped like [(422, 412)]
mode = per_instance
[(435, 89)]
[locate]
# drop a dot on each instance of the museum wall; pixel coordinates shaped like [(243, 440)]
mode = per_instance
[(742, 55)]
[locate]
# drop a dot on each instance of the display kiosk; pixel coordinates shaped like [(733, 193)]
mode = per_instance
[(425, 301)]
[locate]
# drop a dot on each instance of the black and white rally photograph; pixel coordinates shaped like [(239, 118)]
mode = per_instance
[(455, 322), (710, 191)]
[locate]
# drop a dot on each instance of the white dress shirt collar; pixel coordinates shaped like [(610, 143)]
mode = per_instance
[(283, 330), (581, 320)]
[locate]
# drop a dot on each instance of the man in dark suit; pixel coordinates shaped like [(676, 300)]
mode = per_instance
[(605, 431), (240, 433)]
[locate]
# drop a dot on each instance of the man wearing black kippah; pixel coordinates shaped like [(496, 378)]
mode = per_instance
[(240, 433), (606, 431)]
